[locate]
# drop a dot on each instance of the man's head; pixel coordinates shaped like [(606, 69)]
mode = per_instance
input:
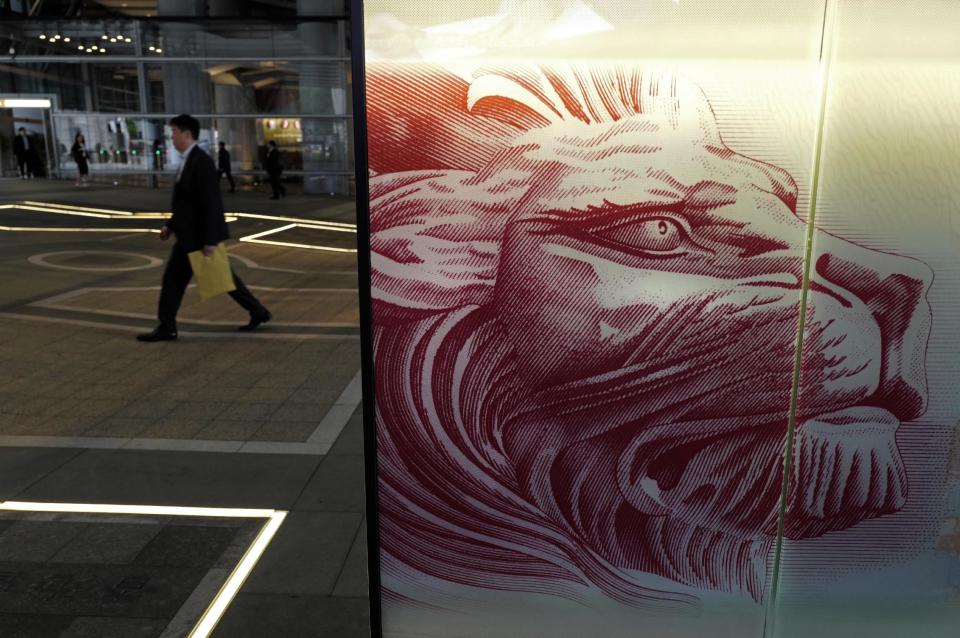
[(22, 131), (223, 146), (186, 130), (273, 144)]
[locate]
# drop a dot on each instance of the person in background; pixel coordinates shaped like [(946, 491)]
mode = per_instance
[(23, 149), (198, 223), (274, 168), (79, 153), (223, 166)]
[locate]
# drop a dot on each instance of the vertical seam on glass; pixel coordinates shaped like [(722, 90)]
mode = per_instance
[(769, 625)]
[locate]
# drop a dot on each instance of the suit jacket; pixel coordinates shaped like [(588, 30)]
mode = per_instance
[(198, 219), (273, 165), (223, 160), (18, 148)]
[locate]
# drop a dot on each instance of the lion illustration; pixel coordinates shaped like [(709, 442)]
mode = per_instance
[(585, 313)]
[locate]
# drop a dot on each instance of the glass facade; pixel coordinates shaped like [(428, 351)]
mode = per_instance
[(249, 74)]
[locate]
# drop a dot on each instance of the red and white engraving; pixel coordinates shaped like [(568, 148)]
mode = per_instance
[(585, 312)]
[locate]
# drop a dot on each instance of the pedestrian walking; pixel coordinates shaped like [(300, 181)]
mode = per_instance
[(274, 168), (79, 153), (198, 223), (223, 166), (23, 150)]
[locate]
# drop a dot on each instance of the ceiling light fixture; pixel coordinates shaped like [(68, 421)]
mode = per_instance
[(66, 39), (42, 36)]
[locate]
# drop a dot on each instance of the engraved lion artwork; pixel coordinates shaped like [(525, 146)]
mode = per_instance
[(585, 317)]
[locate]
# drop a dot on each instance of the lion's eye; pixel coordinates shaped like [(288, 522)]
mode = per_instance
[(656, 234)]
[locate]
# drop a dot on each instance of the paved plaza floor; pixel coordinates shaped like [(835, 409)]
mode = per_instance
[(219, 418)]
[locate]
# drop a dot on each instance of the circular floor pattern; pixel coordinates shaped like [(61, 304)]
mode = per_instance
[(95, 261)]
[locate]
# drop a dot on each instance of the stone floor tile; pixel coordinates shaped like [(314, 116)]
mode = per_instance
[(21, 467), (353, 580), (107, 544), (224, 430), (114, 628), (249, 411), (285, 431), (173, 428), (186, 546), (260, 615), (177, 478), (337, 486), (307, 555), (35, 542)]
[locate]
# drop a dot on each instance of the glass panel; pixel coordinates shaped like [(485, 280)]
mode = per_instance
[(873, 528), (587, 223), (142, 146)]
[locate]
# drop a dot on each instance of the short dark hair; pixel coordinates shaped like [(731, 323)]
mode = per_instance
[(186, 122), (222, 144), (21, 129), (272, 143)]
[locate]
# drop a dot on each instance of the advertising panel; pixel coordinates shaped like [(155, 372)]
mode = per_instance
[(625, 259)]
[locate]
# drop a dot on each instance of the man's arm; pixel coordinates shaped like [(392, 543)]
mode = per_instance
[(211, 205)]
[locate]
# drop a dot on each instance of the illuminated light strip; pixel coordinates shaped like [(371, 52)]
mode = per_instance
[(61, 211), (146, 510), (68, 209), (267, 232), (38, 229), (214, 612), (230, 588), (298, 220), (256, 239), (292, 245), (109, 211)]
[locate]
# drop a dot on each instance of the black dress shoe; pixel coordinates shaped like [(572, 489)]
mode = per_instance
[(255, 321), (159, 334)]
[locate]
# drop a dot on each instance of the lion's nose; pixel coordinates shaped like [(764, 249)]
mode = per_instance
[(894, 288)]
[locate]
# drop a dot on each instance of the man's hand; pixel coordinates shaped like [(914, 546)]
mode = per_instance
[(209, 250), (165, 233)]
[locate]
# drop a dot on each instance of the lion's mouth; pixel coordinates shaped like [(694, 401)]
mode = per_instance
[(847, 468)]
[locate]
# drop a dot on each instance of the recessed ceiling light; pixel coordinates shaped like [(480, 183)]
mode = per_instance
[(80, 46), (113, 39), (66, 39), (104, 37), (102, 50), (42, 36), (152, 48), (127, 40), (159, 50)]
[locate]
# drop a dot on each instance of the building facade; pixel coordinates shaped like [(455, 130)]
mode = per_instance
[(251, 71)]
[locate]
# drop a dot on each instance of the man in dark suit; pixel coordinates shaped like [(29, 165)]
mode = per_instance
[(23, 149), (274, 168), (198, 224), (223, 166)]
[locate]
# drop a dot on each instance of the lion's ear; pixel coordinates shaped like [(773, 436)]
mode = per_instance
[(418, 120)]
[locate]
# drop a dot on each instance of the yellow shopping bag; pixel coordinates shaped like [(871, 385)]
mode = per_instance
[(213, 273)]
